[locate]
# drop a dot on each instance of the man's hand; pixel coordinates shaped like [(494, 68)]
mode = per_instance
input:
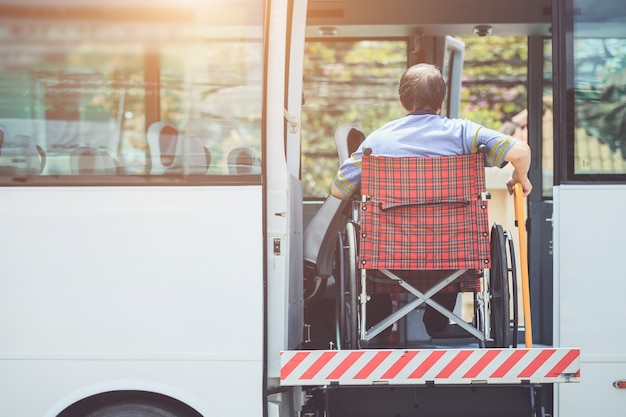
[(526, 185)]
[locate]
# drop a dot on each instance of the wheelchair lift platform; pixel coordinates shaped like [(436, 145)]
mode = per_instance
[(369, 367)]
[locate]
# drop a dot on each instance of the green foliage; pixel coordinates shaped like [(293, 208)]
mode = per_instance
[(356, 82), (345, 82), (494, 79)]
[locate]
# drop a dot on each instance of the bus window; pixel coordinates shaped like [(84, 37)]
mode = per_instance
[(345, 81), (130, 102), (599, 81)]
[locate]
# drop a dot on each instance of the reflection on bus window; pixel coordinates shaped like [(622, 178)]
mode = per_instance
[(600, 87), (83, 107), (345, 82)]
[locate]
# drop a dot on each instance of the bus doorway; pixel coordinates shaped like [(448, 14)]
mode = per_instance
[(354, 81)]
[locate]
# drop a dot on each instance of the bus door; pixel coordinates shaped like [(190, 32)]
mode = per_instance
[(284, 301)]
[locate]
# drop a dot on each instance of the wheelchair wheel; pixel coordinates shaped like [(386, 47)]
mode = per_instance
[(347, 313), (340, 287), (513, 270), (499, 289)]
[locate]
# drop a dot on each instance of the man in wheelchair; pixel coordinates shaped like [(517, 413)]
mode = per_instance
[(423, 132)]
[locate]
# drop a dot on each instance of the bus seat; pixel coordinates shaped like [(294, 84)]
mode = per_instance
[(320, 235), (86, 160), (192, 157), (173, 153), (162, 141), (242, 160), (20, 155), (348, 137)]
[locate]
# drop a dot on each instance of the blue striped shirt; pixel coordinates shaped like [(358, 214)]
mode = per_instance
[(426, 135)]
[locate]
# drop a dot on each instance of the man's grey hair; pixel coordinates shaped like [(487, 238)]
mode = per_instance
[(422, 87)]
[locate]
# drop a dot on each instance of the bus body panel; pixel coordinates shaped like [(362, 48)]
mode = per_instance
[(61, 383), (589, 290), (139, 299)]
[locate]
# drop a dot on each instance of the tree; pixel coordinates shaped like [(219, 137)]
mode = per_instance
[(494, 79)]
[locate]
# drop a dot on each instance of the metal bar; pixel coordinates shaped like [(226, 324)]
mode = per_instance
[(521, 225), (422, 298)]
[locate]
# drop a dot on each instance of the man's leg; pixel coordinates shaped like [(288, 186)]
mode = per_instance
[(434, 321)]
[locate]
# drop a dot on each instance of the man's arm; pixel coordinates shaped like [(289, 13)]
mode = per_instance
[(519, 157), (348, 178), (336, 192)]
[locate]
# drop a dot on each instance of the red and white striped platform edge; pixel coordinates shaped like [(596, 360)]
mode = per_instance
[(425, 366)]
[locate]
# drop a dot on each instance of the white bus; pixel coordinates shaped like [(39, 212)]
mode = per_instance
[(160, 162)]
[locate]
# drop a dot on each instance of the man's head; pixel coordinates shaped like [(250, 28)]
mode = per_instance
[(422, 87)]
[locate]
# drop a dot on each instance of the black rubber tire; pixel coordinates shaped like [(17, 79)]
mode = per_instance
[(514, 295), (135, 409), (341, 325), (499, 289), (351, 232), (347, 296)]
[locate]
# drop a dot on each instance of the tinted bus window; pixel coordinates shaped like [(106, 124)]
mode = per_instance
[(154, 98), (599, 87)]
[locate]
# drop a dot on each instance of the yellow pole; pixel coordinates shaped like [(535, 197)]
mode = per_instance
[(521, 226)]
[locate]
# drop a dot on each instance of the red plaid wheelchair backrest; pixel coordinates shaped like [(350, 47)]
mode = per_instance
[(423, 213)]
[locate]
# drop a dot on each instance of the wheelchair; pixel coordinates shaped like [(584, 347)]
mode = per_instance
[(420, 227)]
